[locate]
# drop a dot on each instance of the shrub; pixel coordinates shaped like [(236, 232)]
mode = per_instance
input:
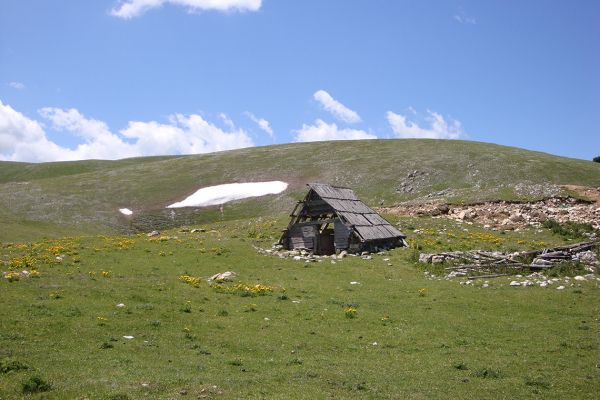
[(571, 230), (596, 159), (35, 384), (566, 268)]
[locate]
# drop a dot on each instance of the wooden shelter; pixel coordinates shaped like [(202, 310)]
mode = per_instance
[(331, 219)]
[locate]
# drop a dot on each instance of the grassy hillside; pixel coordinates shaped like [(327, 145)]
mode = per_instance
[(84, 196), (296, 338)]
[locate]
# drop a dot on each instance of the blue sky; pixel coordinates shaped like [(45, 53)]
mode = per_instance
[(112, 79)]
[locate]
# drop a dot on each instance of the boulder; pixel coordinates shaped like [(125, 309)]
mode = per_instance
[(153, 233), (437, 259), (588, 257), (538, 215), (467, 215), (540, 261), (425, 258), (518, 217), (223, 276)]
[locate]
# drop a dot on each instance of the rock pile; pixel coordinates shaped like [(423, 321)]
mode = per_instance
[(507, 215)]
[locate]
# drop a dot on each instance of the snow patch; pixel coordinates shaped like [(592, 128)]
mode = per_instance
[(125, 211), (220, 194)]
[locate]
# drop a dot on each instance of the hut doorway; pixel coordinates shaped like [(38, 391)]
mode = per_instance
[(325, 245)]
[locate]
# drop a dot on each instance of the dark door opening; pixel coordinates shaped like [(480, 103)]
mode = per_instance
[(326, 246)]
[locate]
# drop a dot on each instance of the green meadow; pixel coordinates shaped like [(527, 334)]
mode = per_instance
[(133, 317)]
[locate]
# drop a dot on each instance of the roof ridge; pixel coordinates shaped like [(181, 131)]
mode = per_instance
[(327, 184)]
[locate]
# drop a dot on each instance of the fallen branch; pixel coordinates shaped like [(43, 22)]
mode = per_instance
[(479, 260)]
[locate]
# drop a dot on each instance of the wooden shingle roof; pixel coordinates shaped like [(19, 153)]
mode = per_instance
[(366, 222)]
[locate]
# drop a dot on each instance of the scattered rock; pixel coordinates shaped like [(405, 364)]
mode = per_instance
[(153, 233), (209, 391)]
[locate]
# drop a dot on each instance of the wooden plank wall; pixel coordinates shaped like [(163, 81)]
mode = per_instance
[(341, 234), (303, 237)]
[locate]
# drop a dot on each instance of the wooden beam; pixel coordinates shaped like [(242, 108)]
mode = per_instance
[(316, 222)]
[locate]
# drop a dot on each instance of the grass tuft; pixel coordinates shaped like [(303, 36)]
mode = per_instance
[(487, 373), (35, 384), (10, 365)]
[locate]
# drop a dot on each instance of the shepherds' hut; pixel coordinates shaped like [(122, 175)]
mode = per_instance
[(331, 219)]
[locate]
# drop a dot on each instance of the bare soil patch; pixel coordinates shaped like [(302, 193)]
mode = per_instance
[(590, 193)]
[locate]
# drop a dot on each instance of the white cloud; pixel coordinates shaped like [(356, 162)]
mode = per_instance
[(18, 133), (99, 141), (24, 139), (438, 128), (336, 108), (128, 9), (184, 135), (73, 121), (16, 85), (324, 131), (227, 121), (463, 18), (262, 123)]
